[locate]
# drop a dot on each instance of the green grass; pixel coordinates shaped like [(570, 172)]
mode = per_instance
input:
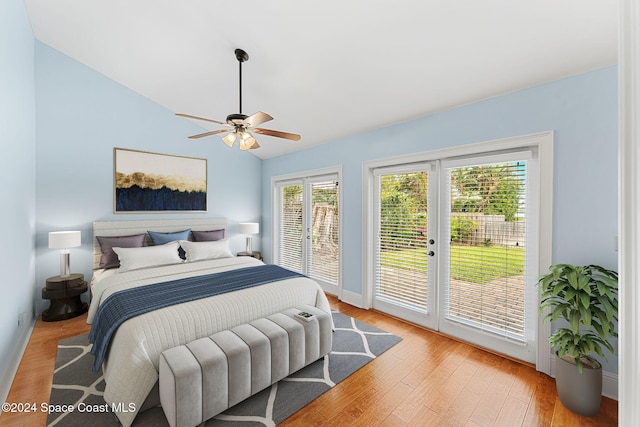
[(477, 264)]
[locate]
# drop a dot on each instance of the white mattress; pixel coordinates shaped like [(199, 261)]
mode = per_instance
[(131, 366)]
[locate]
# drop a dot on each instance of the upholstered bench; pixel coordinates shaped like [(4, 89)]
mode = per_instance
[(209, 375)]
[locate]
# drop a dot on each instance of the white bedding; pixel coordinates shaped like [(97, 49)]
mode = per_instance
[(131, 366)]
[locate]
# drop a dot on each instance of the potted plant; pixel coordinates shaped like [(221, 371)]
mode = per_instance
[(586, 298)]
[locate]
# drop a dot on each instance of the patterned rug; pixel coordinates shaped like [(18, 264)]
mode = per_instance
[(354, 345)]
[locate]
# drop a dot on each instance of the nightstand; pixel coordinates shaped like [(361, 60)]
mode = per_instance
[(64, 295), (254, 254)]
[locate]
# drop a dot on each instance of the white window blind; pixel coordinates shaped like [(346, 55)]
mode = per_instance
[(323, 258), (487, 227), (290, 227), (308, 227), (401, 240)]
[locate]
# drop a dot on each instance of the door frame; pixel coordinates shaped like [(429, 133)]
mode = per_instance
[(275, 224), (542, 141)]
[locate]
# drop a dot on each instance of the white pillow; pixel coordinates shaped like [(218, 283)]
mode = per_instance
[(148, 256), (199, 251)]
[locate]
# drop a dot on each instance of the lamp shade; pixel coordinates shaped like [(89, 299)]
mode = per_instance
[(64, 239), (249, 228)]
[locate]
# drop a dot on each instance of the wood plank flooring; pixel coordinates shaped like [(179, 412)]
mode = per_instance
[(425, 380)]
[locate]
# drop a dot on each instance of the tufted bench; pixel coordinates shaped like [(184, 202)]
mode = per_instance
[(209, 375)]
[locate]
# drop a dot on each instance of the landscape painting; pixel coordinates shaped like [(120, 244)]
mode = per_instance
[(153, 182)]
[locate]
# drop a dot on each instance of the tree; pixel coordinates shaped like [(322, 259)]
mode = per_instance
[(491, 190), (403, 209)]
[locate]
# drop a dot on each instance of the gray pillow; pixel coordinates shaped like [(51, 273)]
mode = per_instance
[(109, 259), (207, 236)]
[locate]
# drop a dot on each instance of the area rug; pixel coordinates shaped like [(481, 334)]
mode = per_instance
[(354, 345)]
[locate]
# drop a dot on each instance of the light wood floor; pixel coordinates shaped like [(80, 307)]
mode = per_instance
[(426, 379)]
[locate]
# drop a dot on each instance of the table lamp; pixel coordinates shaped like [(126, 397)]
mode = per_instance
[(64, 240), (249, 228)]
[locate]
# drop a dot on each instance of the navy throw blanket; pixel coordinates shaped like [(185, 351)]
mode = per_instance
[(123, 305)]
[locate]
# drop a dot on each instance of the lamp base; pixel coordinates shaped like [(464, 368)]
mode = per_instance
[(65, 262), (249, 251)]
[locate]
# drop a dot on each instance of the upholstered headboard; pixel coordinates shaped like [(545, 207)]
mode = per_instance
[(126, 228)]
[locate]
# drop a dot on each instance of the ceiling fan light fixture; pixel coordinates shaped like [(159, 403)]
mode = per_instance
[(229, 139), (246, 141)]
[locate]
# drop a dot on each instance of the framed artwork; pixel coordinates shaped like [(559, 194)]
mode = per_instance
[(151, 182)]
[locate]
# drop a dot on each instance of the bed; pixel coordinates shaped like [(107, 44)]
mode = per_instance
[(131, 362)]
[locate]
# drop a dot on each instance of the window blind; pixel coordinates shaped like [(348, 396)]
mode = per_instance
[(290, 227), (323, 258), (401, 241), (487, 224)]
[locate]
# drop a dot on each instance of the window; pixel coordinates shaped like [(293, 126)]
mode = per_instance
[(307, 227), (455, 241), (403, 281), (484, 281)]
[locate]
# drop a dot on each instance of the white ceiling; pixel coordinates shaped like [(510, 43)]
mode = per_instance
[(333, 68)]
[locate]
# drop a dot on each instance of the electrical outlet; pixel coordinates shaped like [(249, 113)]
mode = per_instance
[(22, 320)]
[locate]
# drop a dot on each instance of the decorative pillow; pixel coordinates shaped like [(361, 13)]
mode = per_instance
[(199, 251), (109, 259), (162, 238), (148, 256), (207, 236)]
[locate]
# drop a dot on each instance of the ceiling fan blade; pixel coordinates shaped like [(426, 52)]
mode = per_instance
[(189, 116), (213, 132), (257, 119), (254, 146), (278, 134)]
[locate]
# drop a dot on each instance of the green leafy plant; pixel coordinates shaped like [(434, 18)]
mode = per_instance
[(586, 297), (462, 229)]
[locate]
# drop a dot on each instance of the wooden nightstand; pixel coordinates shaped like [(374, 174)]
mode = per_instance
[(254, 254), (64, 295)]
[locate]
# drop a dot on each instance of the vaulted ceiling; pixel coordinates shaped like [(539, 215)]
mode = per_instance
[(329, 69)]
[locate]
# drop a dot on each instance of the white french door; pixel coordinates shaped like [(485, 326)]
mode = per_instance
[(307, 228), (488, 269), (455, 247), (405, 238)]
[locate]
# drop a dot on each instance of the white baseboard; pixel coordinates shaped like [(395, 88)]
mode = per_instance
[(609, 381), (610, 385), (352, 298), (9, 374), (328, 289)]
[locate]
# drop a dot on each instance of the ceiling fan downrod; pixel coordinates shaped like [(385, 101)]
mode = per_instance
[(241, 56)]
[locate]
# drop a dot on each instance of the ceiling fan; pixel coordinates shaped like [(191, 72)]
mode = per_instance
[(241, 124)]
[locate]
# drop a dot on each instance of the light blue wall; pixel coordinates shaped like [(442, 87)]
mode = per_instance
[(64, 179), (583, 113), (81, 116), (17, 170)]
